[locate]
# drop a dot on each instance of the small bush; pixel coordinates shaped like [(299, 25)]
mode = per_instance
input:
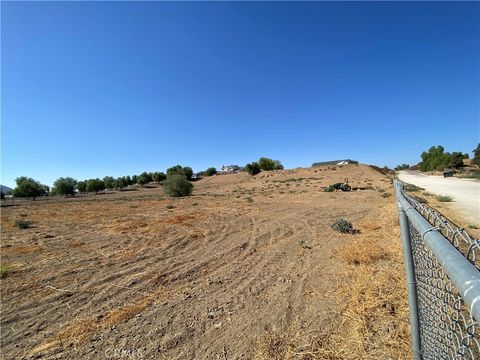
[(344, 226), (249, 199), (411, 187), (195, 204), (170, 206), (472, 226), (177, 185), (426, 193), (4, 270), (23, 224), (444, 198), (386, 195)]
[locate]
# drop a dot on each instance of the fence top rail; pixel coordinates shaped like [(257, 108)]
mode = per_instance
[(462, 273)]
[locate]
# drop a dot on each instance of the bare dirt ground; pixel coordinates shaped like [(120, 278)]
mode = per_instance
[(247, 267), (465, 193)]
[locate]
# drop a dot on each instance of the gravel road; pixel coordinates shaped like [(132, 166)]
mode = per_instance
[(465, 192)]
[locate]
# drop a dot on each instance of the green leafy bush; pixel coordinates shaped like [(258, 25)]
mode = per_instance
[(177, 185)]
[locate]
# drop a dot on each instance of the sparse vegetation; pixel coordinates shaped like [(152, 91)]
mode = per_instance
[(472, 226), (411, 188), (23, 224), (386, 195), (444, 198), (170, 206), (177, 185)]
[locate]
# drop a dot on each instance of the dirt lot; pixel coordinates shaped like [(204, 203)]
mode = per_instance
[(247, 267)]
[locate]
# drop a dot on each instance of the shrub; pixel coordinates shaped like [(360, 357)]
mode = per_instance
[(23, 224), (177, 185), (472, 226), (210, 171), (386, 195), (444, 198), (4, 270), (411, 187), (269, 164), (252, 168), (344, 226)]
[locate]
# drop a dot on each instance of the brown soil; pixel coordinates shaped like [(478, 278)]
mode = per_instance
[(247, 267)]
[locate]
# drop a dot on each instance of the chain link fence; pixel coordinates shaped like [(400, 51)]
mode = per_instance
[(443, 274)]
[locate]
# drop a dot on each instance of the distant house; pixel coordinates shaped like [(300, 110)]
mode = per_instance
[(229, 169), (332, 162)]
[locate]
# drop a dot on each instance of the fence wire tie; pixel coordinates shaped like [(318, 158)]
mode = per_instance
[(428, 230)]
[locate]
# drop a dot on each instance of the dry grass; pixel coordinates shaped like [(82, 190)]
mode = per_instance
[(82, 329), (371, 302)]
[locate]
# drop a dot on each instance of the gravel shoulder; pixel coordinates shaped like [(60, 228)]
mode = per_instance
[(465, 192)]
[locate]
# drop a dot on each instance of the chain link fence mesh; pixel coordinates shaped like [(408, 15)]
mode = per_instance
[(447, 328)]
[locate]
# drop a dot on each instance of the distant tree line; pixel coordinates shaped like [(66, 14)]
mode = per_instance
[(176, 181)]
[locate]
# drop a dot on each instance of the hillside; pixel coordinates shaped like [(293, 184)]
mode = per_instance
[(247, 267)]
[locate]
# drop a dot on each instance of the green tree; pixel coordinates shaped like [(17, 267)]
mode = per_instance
[(134, 179), (129, 180), (177, 185), (269, 164), (28, 187), (144, 178), (210, 171), (159, 176), (252, 168), (65, 186), (120, 183), (179, 170), (437, 159), (476, 156), (82, 186), (95, 185), (402, 167), (109, 182)]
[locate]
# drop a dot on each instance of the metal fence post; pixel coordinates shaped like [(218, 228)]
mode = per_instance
[(411, 284)]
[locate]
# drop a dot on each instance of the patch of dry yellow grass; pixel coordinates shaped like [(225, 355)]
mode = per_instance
[(82, 329)]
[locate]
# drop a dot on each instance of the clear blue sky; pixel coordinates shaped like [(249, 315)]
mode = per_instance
[(90, 89)]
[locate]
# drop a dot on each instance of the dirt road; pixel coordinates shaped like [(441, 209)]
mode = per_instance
[(465, 192)]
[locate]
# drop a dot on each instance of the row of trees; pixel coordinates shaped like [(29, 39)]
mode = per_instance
[(172, 181), (263, 163), (67, 186)]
